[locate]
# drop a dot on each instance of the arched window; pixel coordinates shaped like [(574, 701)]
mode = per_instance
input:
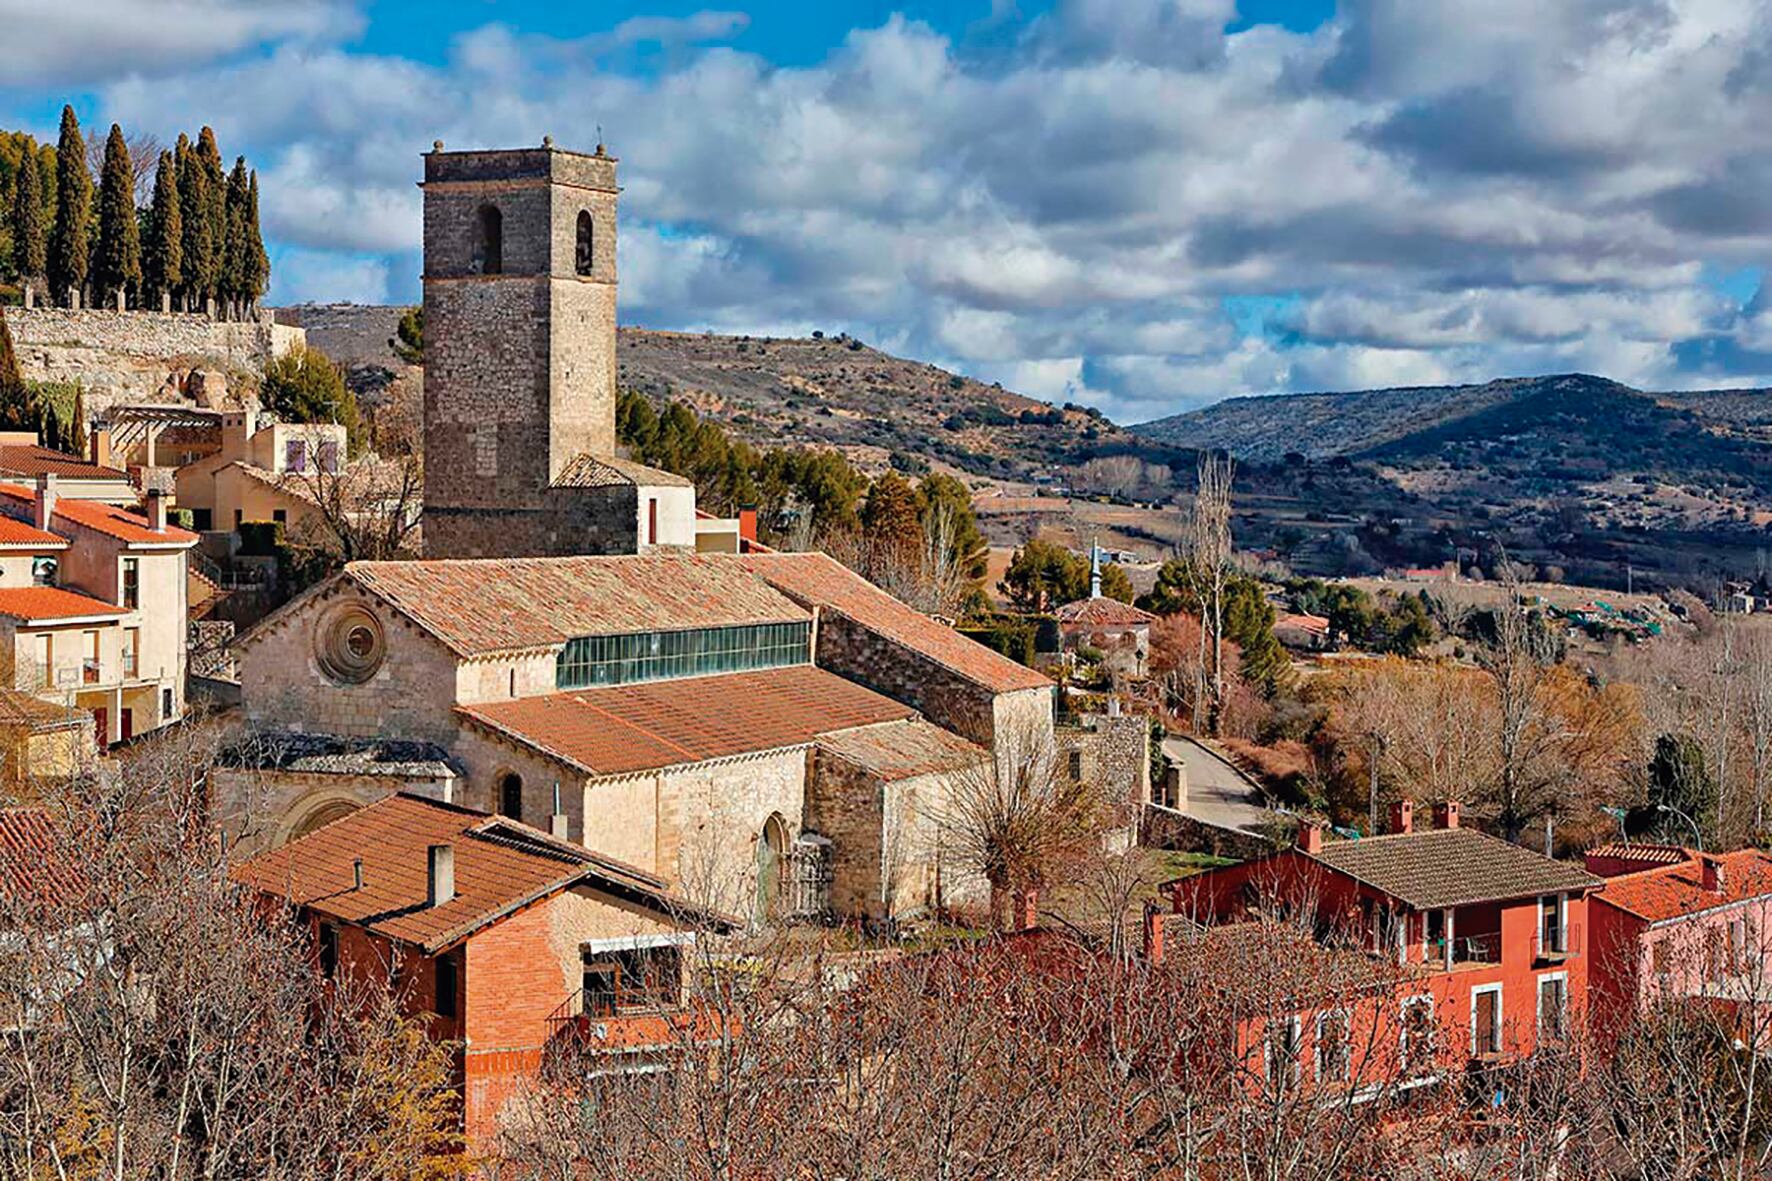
[(772, 848), (489, 246), (583, 259), (510, 796)]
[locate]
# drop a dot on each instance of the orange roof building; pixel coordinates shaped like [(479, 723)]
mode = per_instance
[(723, 718), (506, 941)]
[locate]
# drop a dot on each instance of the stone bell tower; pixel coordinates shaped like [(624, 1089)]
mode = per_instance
[(519, 382)]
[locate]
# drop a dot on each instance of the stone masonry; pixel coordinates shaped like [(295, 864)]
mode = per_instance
[(519, 352)]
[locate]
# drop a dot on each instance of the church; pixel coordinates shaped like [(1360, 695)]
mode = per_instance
[(582, 651)]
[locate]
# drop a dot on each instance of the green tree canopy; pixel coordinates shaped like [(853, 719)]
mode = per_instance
[(30, 240), (891, 518), (941, 494), (68, 243), (1248, 619), (408, 344), (256, 270), (116, 261), (1679, 778), (201, 257), (304, 385), (163, 250), (237, 260)]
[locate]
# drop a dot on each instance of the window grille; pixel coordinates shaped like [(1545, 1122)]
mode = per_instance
[(655, 656)]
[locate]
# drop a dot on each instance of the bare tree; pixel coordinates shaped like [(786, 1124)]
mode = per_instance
[(364, 510), (1208, 564)]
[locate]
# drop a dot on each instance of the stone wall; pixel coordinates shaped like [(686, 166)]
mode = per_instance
[(126, 356), (1165, 828), (904, 674)]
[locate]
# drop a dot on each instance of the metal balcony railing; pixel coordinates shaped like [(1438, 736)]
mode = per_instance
[(1558, 942), (1469, 949), (89, 671), (130, 664)]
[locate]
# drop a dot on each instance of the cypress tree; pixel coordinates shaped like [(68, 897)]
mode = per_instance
[(237, 264), (193, 205), (163, 252), (258, 273), (15, 397), (117, 260), (78, 429), (215, 213), (29, 246), (68, 244)]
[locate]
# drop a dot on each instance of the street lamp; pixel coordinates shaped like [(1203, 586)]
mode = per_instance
[(1697, 836)]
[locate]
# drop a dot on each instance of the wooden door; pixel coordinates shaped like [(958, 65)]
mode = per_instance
[(101, 727)]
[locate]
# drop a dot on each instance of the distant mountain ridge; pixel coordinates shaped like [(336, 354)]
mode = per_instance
[(1410, 420)]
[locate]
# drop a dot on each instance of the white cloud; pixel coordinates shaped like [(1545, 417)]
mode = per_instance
[(1440, 192)]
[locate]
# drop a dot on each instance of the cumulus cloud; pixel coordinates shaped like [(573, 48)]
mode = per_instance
[(100, 40), (1427, 190)]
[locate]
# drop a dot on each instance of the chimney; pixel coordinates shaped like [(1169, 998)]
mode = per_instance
[(557, 819), (1310, 837), (1402, 816), (1026, 913), (156, 510), (439, 874), (1153, 934), (1446, 814), (356, 873), (747, 525), (45, 506), (1711, 869), (99, 446)]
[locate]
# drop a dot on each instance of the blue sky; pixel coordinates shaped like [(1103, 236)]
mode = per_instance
[(1144, 205)]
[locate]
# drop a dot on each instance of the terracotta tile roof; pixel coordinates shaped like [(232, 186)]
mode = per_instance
[(821, 581), (123, 524), (500, 865), (16, 534), (1316, 624), (18, 708), (481, 606), (34, 858), (1102, 612), (1675, 891), (1452, 867), (606, 471), (622, 729), (902, 750), (28, 459), (35, 603), (275, 481)]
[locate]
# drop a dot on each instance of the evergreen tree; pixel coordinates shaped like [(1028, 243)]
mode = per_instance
[(30, 248), (16, 410), (68, 244), (117, 261), (78, 429), (636, 422), (237, 261), (258, 263), (215, 212), (163, 250), (193, 209)]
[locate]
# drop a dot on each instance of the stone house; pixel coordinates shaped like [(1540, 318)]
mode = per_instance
[(502, 939)]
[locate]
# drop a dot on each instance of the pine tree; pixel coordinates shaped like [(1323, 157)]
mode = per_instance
[(29, 247), (68, 244), (237, 263), (215, 211), (193, 207), (258, 263), (117, 261), (163, 251)]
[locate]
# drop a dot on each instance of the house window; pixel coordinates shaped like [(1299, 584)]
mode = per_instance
[(132, 583), (239, 514), (582, 257), (446, 987), (1282, 1044), (510, 796), (489, 245), (652, 520), (1486, 1020), (280, 516), (639, 977), (1332, 1049), (1658, 956), (166, 704), (1553, 1007), (1552, 932), (203, 519), (586, 661), (295, 455), (326, 457), (328, 950), (43, 571), (132, 640), (1076, 766), (1418, 1035)]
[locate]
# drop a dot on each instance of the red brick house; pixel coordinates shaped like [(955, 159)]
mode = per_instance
[(503, 938), (1673, 923), (1490, 934)]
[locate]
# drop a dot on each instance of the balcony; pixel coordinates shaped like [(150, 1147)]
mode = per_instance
[(595, 1022), (89, 671), (1468, 949)]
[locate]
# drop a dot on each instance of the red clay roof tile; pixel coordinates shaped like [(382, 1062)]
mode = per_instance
[(35, 603), (1674, 891), (121, 523), (902, 750), (622, 729), (819, 580), (28, 459)]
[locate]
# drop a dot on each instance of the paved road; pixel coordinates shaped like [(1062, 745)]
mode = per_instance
[(1216, 791)]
